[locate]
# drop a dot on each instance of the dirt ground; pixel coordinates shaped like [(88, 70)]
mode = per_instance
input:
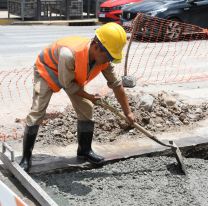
[(157, 113), (145, 181)]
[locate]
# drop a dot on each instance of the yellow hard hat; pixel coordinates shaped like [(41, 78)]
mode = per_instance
[(113, 38)]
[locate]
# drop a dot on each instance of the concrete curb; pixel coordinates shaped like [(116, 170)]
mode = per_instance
[(6, 21), (77, 22)]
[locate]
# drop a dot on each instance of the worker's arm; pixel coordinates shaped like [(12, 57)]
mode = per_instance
[(115, 83), (92, 97), (122, 99)]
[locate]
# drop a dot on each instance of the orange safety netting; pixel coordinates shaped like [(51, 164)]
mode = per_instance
[(15, 84), (159, 51), (166, 51)]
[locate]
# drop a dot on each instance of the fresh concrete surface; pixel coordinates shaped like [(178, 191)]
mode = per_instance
[(144, 181)]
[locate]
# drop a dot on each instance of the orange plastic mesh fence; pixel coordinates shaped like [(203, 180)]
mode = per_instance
[(166, 51), (159, 51), (14, 84)]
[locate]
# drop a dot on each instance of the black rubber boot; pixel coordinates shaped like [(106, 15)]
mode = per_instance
[(85, 131), (30, 135)]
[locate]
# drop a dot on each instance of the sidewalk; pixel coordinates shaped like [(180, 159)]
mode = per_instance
[(15, 20)]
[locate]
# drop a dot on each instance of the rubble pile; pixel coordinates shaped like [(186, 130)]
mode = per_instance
[(156, 113)]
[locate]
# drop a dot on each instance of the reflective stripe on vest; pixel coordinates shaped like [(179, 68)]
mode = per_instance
[(52, 74), (47, 63)]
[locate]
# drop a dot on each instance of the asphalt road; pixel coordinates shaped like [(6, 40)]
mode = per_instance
[(21, 44)]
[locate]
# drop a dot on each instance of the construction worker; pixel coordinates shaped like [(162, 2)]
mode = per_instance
[(69, 64)]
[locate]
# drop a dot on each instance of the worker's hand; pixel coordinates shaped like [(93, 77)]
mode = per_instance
[(94, 98), (131, 118)]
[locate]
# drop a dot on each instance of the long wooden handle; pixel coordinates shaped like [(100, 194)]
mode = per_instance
[(106, 105)]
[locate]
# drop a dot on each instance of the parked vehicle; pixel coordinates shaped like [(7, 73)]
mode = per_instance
[(90, 5), (187, 11), (111, 10)]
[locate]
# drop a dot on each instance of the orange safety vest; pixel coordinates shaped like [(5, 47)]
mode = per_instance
[(47, 62)]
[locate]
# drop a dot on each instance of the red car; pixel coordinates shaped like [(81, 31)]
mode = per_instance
[(111, 10)]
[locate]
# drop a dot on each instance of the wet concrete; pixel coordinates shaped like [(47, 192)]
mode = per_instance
[(149, 180), (142, 181)]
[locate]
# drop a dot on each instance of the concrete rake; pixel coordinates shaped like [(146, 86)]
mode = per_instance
[(175, 149)]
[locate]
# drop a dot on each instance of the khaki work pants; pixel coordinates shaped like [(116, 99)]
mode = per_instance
[(41, 97)]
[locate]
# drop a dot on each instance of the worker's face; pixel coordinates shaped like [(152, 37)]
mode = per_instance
[(101, 57)]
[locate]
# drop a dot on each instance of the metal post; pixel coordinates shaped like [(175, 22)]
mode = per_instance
[(97, 5), (135, 27), (67, 9), (38, 10), (23, 10), (82, 9), (8, 9), (88, 8)]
